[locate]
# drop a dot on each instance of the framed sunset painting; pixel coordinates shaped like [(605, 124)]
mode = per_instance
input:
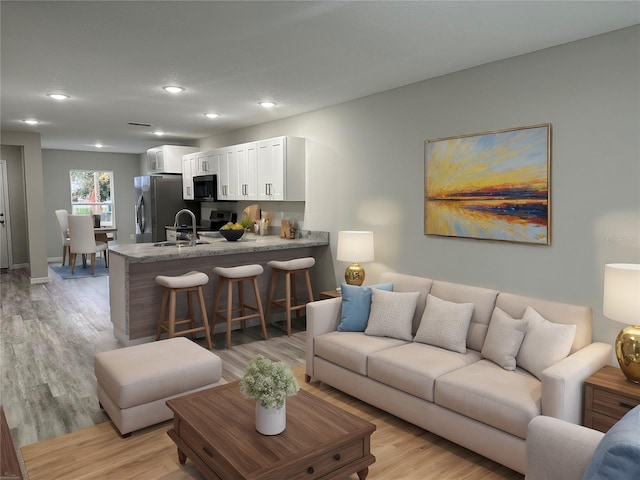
[(491, 186)]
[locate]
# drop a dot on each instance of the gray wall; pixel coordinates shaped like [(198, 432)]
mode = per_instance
[(56, 165), (365, 168), (17, 205)]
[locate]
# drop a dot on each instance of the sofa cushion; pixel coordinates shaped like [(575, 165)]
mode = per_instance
[(410, 283), (414, 367), (391, 314), (556, 312), (484, 300), (544, 344), (489, 394), (350, 349), (356, 306), (504, 338), (445, 324), (618, 453)]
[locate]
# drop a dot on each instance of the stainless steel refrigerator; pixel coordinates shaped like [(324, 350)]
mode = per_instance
[(158, 199)]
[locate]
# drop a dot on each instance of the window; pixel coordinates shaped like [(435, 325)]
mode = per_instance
[(92, 194)]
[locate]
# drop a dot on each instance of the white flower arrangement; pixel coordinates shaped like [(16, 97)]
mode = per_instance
[(268, 382)]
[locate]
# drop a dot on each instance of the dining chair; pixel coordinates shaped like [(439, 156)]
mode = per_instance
[(83, 241), (64, 233)]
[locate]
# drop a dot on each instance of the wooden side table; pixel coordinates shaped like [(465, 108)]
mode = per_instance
[(608, 395), (329, 294)]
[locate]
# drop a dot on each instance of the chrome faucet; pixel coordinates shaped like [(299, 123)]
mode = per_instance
[(194, 235)]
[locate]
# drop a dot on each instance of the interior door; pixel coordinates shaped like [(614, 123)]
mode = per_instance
[(5, 232)]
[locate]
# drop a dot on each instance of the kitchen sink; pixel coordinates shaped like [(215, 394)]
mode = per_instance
[(184, 243)]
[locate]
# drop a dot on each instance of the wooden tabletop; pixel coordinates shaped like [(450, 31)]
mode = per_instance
[(225, 421), (613, 380)]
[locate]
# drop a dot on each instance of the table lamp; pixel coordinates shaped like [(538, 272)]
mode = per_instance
[(622, 304), (355, 247)]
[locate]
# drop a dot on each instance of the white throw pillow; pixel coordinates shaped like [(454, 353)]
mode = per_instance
[(445, 324), (504, 338), (544, 344), (391, 314)]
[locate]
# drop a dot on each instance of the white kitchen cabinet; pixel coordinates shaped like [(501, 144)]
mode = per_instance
[(188, 168), (167, 158), (281, 169), (227, 174), (206, 163), (246, 163)]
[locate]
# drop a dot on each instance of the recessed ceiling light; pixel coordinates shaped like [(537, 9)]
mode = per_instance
[(31, 121), (98, 145), (158, 133), (173, 89), (58, 96), (212, 115), (267, 104)]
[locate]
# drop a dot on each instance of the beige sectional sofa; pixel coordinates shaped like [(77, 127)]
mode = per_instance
[(463, 397)]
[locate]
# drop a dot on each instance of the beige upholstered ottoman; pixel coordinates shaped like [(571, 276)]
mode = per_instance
[(135, 382)]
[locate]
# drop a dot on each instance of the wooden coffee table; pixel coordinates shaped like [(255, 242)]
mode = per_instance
[(215, 428)]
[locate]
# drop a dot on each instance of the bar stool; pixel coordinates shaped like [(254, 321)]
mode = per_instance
[(290, 268), (238, 275), (189, 282)]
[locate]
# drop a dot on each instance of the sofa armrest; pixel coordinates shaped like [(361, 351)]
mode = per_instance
[(559, 450), (323, 316), (562, 383)]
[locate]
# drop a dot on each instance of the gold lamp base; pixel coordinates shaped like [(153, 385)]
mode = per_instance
[(354, 274), (628, 352)]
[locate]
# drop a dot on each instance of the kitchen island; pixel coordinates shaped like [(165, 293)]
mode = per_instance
[(135, 298)]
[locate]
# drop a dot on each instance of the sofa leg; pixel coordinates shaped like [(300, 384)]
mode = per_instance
[(307, 378), (126, 435)]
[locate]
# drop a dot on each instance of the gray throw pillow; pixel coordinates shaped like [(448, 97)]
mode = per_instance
[(504, 338), (391, 314), (445, 324)]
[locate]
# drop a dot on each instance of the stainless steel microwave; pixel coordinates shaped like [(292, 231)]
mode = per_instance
[(205, 188)]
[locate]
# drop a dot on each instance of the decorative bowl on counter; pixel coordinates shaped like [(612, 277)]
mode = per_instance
[(231, 235)]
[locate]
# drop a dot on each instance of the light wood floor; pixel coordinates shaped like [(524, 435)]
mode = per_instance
[(403, 451), (48, 336), (50, 332)]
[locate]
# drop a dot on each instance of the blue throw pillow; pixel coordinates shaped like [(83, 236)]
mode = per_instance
[(618, 453), (356, 305)]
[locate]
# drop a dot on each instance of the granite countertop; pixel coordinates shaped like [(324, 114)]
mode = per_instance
[(147, 252)]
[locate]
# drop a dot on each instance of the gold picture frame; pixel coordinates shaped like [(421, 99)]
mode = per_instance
[(490, 186)]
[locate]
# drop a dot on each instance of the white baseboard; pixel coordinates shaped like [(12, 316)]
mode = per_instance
[(37, 280)]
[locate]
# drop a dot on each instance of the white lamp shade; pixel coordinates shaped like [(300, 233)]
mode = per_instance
[(622, 292), (355, 246)]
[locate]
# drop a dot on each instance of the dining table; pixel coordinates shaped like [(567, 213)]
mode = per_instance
[(102, 233)]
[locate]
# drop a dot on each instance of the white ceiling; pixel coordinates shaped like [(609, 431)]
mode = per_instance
[(114, 57)]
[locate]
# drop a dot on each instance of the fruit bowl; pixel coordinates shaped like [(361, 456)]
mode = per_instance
[(231, 235)]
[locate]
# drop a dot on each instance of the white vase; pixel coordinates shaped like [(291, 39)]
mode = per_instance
[(271, 421)]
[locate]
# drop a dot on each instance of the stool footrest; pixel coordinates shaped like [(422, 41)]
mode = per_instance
[(189, 330), (282, 302), (243, 318)]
